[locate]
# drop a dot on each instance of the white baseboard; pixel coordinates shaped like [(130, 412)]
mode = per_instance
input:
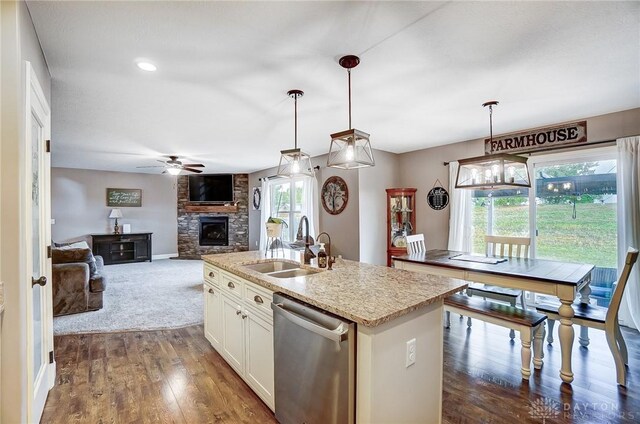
[(165, 256)]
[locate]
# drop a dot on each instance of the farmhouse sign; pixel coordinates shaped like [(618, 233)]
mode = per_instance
[(124, 197), (541, 138)]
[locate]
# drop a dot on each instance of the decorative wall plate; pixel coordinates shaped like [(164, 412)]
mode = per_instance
[(334, 195)]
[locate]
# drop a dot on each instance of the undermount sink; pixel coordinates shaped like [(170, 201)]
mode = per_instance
[(275, 266), (293, 273)]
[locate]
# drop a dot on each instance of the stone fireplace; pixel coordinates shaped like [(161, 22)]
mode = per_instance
[(214, 231), (200, 226)]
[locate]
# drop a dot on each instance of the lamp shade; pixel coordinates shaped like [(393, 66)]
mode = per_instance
[(491, 172), (350, 149), (295, 162), (115, 213)]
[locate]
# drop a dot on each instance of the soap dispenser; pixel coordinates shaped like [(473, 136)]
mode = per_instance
[(322, 257)]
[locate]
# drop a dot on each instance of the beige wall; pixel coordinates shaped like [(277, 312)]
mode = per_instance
[(78, 198), (19, 44), (373, 206), (343, 228)]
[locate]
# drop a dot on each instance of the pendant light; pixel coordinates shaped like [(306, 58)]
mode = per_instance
[(295, 162), (494, 171), (350, 149)]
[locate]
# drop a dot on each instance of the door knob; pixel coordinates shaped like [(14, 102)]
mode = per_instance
[(40, 281)]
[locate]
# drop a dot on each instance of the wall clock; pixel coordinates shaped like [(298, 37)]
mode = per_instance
[(257, 198), (334, 195)]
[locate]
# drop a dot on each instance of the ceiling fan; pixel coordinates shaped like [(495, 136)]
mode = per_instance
[(173, 166)]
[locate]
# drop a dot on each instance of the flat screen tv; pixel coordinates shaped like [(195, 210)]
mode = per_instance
[(216, 188)]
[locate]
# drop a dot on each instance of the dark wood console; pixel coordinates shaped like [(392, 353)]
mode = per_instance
[(122, 248)]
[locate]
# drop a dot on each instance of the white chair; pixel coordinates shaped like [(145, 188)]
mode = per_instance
[(415, 244), (602, 318), (509, 247)]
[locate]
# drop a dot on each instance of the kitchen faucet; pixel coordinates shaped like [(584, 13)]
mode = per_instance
[(308, 254)]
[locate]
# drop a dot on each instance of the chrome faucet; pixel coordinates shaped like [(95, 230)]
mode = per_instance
[(308, 254)]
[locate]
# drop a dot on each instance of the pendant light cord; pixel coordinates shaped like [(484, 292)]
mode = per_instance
[(491, 123), (295, 121), (349, 76)]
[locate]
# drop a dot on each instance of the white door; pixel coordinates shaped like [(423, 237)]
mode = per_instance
[(41, 368), (259, 363), (232, 333)]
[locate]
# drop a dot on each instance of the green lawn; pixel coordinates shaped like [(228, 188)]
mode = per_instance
[(590, 238)]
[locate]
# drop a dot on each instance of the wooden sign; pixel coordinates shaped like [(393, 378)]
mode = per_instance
[(124, 197), (541, 138)]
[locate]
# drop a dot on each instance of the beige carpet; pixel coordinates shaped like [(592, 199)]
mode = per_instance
[(154, 295)]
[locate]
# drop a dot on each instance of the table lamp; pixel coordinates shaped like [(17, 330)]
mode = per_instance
[(116, 213)]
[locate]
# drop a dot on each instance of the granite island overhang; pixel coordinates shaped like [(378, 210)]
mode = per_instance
[(390, 307)]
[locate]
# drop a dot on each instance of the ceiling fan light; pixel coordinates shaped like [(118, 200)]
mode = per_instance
[(174, 171), (350, 149)]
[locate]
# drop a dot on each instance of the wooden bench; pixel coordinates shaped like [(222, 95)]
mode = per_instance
[(529, 324)]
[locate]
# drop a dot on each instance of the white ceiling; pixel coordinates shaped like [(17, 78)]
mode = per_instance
[(219, 95)]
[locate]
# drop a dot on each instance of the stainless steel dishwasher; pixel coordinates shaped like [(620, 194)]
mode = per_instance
[(314, 364)]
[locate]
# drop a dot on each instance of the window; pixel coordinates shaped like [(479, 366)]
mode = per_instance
[(287, 203)]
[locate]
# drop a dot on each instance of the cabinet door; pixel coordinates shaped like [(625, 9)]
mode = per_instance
[(232, 333), (213, 316), (142, 249), (259, 364)]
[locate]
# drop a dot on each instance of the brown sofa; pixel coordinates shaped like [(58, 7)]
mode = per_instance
[(78, 279)]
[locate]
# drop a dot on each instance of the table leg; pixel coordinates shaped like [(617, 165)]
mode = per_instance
[(566, 336), (585, 294)]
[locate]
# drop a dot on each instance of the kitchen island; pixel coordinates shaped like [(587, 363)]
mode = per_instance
[(389, 306)]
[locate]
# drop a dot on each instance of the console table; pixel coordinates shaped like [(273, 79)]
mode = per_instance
[(122, 248)]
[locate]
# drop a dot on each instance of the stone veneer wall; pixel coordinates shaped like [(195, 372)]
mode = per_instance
[(189, 222)]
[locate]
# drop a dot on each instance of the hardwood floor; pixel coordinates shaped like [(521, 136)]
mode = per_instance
[(175, 376)]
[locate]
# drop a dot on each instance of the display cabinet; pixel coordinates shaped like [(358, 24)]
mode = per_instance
[(401, 220)]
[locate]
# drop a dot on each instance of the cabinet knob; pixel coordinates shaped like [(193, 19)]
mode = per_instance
[(211, 291), (238, 312), (211, 274), (231, 285), (258, 299), (244, 316)]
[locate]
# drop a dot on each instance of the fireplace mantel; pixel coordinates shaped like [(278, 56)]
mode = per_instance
[(200, 208)]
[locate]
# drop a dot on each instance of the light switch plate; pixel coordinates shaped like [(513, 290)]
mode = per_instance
[(411, 353)]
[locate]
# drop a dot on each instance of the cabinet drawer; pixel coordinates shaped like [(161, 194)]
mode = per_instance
[(258, 297), (231, 284), (212, 274)]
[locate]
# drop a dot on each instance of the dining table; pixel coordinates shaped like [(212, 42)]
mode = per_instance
[(564, 280)]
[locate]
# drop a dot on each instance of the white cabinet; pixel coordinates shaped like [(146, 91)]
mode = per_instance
[(239, 325), (233, 333), (212, 315)]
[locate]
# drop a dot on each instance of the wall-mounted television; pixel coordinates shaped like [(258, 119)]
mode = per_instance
[(216, 188)]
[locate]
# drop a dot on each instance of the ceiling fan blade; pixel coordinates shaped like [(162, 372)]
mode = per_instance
[(154, 166), (162, 161), (193, 165), (197, 171)]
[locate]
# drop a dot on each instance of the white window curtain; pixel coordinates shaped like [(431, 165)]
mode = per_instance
[(460, 207), (628, 199), (310, 204), (265, 212)]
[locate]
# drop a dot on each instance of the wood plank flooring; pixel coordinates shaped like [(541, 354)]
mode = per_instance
[(174, 376)]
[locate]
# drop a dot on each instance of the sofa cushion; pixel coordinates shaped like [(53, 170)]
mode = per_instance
[(74, 252), (97, 283)]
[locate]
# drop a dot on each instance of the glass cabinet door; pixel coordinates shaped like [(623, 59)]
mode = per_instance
[(401, 210)]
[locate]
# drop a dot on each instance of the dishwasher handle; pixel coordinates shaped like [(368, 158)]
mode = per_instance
[(337, 335)]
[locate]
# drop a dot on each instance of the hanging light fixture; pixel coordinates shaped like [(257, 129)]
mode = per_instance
[(495, 171), (350, 149), (294, 162)]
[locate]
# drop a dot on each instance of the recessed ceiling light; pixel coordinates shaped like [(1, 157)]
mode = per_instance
[(146, 66)]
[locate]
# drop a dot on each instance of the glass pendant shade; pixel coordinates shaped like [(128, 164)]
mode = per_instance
[(492, 172), (350, 149), (294, 162)]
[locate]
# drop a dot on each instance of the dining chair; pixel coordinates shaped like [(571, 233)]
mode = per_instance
[(602, 318), (415, 244), (509, 247)]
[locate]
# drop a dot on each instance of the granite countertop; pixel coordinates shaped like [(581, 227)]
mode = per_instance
[(369, 295)]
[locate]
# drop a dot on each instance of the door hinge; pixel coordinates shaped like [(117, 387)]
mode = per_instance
[(51, 357), (49, 252), (48, 146)]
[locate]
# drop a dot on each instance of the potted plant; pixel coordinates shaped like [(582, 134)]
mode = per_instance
[(274, 226)]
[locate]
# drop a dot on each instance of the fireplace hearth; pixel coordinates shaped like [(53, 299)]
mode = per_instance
[(214, 231)]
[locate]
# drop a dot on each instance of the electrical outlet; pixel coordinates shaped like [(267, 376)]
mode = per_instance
[(411, 353)]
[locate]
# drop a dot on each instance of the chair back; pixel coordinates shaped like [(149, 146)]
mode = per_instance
[(616, 299), (511, 247), (415, 244)]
